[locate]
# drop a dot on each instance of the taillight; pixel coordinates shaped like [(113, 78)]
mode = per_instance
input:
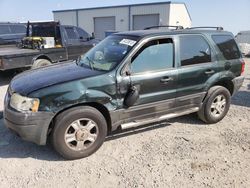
[(242, 66)]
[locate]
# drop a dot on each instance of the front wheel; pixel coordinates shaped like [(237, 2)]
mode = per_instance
[(216, 105), (79, 132)]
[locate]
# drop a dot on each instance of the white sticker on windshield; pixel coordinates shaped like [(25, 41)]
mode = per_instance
[(128, 42)]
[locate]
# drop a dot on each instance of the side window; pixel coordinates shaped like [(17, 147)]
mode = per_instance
[(194, 50), (153, 56), (82, 33), (4, 29), (227, 46), (71, 33)]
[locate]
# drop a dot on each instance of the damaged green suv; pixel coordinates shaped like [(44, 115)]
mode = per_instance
[(127, 80)]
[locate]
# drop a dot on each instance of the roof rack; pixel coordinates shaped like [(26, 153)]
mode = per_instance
[(155, 27), (217, 28)]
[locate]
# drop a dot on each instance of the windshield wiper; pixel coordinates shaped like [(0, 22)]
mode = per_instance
[(91, 63)]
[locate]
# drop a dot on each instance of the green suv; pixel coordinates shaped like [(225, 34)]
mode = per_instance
[(127, 80)]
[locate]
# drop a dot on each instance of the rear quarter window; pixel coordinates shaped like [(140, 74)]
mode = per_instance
[(227, 46), (71, 33)]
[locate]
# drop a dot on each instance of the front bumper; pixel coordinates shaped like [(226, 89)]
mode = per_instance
[(31, 127), (238, 81)]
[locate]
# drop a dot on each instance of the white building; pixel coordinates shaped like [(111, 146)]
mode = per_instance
[(126, 17)]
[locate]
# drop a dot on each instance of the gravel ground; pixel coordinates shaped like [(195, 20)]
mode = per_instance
[(182, 152)]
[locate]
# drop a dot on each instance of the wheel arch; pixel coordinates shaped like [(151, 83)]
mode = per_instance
[(42, 56), (101, 108), (227, 83)]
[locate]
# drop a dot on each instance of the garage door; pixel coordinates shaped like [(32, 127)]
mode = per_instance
[(103, 24), (143, 21)]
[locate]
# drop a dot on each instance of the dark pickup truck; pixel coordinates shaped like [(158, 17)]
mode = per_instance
[(46, 43)]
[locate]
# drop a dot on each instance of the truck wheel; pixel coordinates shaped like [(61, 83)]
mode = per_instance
[(79, 132), (215, 105), (40, 63)]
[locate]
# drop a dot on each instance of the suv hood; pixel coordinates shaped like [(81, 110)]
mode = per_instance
[(33, 80)]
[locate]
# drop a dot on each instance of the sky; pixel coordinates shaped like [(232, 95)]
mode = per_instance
[(233, 15)]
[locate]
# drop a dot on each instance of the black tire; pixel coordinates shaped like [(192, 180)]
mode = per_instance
[(63, 123), (209, 114), (40, 63)]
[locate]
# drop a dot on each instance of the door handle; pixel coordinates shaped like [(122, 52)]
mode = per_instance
[(210, 72), (166, 79)]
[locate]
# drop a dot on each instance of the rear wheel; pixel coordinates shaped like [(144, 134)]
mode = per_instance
[(40, 63), (216, 105), (79, 132)]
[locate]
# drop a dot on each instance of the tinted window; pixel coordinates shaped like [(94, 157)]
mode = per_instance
[(155, 55), (227, 46), (71, 33), (43, 31), (18, 28), (4, 29), (82, 33), (194, 50)]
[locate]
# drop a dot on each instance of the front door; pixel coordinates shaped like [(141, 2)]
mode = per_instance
[(154, 74)]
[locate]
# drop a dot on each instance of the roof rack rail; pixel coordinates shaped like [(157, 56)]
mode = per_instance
[(158, 26), (217, 28)]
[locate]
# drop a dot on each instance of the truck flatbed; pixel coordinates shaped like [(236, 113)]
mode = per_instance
[(13, 50)]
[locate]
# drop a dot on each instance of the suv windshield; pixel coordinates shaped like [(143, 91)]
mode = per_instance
[(108, 53)]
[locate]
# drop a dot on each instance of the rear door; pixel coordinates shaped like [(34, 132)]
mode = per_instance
[(196, 67)]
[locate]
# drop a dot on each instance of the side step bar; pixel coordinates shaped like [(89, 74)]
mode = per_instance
[(161, 118)]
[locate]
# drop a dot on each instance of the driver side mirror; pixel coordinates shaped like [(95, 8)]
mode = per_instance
[(131, 97)]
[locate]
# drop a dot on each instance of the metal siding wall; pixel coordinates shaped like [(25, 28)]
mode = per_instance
[(103, 24), (86, 18), (162, 10), (143, 21), (169, 14), (66, 18), (179, 13)]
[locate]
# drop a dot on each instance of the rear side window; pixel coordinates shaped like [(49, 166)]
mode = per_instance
[(227, 46), (4, 29), (153, 56), (82, 33), (18, 29), (194, 50), (71, 33)]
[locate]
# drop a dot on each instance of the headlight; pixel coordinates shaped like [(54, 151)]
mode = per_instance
[(25, 104)]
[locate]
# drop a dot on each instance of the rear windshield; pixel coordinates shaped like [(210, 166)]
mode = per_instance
[(227, 46)]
